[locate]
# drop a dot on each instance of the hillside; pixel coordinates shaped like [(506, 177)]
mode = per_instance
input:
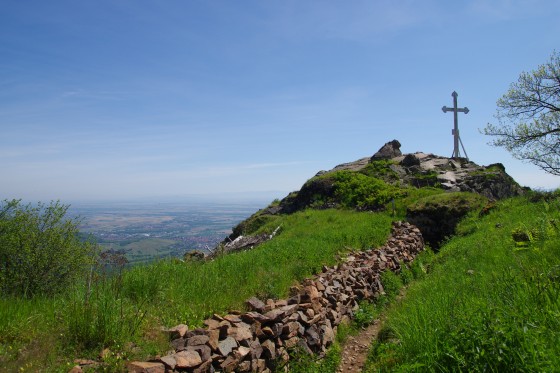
[(490, 301), (386, 181), (344, 220)]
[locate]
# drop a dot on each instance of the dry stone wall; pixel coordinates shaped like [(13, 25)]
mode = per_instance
[(259, 340)]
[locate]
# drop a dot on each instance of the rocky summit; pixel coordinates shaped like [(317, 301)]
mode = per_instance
[(390, 174), (451, 174), (406, 170)]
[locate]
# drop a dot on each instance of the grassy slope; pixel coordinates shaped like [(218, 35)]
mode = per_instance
[(451, 320), (489, 304), (130, 306), (308, 240)]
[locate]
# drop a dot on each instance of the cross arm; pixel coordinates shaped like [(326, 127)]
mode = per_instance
[(445, 109)]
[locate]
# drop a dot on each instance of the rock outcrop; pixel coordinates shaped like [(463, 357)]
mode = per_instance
[(437, 216), (259, 340), (390, 150), (416, 170), (243, 243), (455, 175), (390, 165), (451, 174)]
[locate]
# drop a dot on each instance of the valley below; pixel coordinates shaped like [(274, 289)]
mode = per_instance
[(145, 231)]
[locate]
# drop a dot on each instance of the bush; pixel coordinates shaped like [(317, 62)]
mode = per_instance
[(40, 251), (358, 190), (381, 169)]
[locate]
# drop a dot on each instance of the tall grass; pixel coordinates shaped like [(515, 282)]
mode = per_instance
[(488, 304), (129, 306), (308, 240), (28, 329)]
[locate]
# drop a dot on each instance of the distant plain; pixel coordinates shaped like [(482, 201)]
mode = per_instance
[(147, 231)]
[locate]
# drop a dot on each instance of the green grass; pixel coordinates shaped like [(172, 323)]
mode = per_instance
[(307, 241), (451, 201), (408, 196), (366, 314), (27, 330), (488, 304), (144, 249), (489, 300), (130, 306)]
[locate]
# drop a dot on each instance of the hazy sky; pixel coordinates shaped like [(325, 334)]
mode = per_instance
[(123, 99)]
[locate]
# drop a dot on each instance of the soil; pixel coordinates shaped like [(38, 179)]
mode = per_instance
[(355, 350)]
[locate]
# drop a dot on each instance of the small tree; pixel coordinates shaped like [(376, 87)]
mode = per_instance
[(40, 251), (529, 117)]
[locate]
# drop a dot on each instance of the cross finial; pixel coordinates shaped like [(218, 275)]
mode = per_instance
[(455, 131)]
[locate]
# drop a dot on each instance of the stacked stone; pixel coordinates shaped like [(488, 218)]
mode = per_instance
[(259, 340)]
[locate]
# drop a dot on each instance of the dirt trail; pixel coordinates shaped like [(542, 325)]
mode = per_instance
[(355, 350)]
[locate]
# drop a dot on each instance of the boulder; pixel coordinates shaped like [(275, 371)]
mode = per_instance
[(388, 151), (410, 160), (269, 349), (178, 331), (230, 363), (256, 349), (205, 367), (241, 332), (204, 351)]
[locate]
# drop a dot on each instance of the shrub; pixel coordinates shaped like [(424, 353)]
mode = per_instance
[(40, 251), (381, 169), (354, 189)]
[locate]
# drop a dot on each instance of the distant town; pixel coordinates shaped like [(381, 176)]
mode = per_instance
[(144, 232)]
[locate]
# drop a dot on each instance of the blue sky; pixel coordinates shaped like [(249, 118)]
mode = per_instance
[(131, 99)]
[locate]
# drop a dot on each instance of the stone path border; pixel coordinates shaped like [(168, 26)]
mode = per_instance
[(259, 340)]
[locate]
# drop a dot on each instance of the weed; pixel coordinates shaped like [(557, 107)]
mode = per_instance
[(392, 284), (116, 304), (365, 315), (406, 276), (302, 362)]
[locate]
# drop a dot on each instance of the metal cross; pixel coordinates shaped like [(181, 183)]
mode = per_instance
[(455, 131)]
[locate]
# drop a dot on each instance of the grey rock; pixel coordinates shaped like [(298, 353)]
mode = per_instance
[(227, 345), (255, 304), (204, 351), (198, 340), (388, 151), (410, 160), (169, 361)]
